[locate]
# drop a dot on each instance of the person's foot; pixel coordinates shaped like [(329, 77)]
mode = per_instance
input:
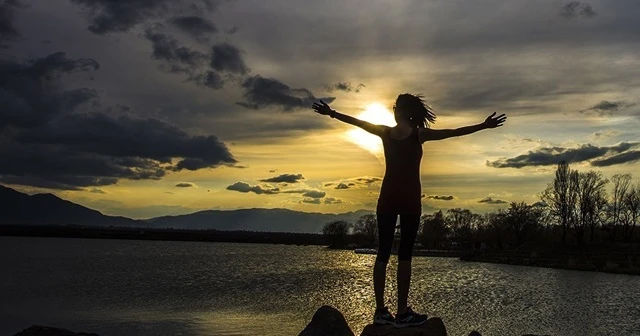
[(383, 316), (410, 318)]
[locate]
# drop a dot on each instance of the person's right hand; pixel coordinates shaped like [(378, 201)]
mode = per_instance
[(322, 108), (492, 121)]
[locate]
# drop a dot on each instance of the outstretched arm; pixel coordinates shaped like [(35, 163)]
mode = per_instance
[(427, 134), (324, 109)]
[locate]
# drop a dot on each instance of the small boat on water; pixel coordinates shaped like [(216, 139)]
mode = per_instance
[(365, 251)]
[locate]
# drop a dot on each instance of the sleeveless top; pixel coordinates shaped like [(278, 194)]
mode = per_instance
[(400, 192)]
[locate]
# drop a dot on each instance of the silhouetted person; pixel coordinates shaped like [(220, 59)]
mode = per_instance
[(400, 194)]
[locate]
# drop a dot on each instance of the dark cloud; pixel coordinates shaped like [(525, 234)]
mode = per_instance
[(108, 16), (177, 57), (489, 200), (62, 182), (97, 191), (606, 107), (287, 178), (368, 180), (574, 9), (625, 157), (539, 204), (28, 94), (8, 8), (45, 141), (185, 185), (355, 182), (344, 86), (314, 194), (553, 155), (210, 79), (441, 198), (246, 187), (199, 28), (331, 200), (134, 141), (306, 192), (261, 92), (311, 200), (227, 58)]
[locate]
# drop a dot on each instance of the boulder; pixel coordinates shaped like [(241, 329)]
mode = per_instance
[(433, 327), (327, 321), (36, 330)]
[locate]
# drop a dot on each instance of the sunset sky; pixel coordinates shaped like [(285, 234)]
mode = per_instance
[(147, 108)]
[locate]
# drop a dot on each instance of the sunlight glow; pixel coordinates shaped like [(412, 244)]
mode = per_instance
[(375, 113)]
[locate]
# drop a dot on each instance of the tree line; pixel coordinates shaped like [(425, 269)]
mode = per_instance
[(575, 208)]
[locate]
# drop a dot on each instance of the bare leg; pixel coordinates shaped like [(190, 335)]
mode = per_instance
[(386, 228), (408, 230), (404, 279), (379, 276)]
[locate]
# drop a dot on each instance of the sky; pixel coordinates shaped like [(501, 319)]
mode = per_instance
[(144, 108)]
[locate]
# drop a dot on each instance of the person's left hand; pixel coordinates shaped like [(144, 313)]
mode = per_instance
[(322, 108), (492, 121)]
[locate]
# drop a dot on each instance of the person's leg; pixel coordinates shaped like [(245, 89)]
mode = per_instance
[(386, 229), (408, 231)]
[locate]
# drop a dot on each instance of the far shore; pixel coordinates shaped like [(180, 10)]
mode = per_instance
[(609, 259), (282, 238)]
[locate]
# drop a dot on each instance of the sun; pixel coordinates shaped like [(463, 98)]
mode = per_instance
[(375, 113)]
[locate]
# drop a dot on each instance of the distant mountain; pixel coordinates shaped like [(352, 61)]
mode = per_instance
[(277, 220), (47, 209)]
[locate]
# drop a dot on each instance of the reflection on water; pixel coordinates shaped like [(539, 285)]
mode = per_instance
[(116, 287)]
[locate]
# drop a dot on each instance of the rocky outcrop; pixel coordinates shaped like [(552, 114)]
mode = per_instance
[(327, 321), (36, 330), (433, 327)]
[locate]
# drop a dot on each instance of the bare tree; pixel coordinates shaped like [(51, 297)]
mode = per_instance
[(433, 230), (556, 195), (336, 233), (573, 199), (460, 222), (367, 227), (621, 183), (522, 220), (632, 210), (590, 203)]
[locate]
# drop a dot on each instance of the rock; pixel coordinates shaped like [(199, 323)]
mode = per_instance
[(327, 321), (36, 330), (433, 327)]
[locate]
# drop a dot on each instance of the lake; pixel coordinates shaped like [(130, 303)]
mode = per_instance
[(125, 287)]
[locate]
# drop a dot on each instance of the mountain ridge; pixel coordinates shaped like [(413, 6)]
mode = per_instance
[(48, 209)]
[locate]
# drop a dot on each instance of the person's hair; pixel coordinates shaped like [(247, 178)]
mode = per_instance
[(414, 109)]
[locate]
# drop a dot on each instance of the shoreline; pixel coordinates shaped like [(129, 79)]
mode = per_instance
[(607, 261)]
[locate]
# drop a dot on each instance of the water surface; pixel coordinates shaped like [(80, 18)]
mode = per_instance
[(123, 287)]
